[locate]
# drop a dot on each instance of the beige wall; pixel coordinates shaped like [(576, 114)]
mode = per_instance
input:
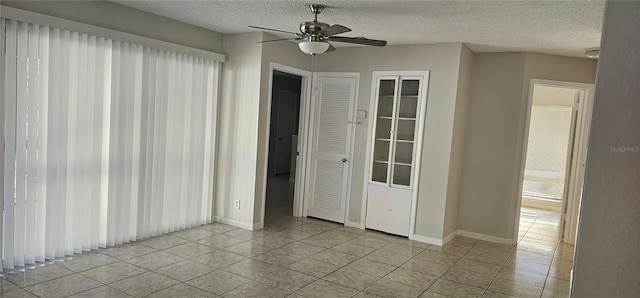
[(465, 80), (286, 53), (443, 62), (490, 143), (607, 259), (238, 128), (118, 17), (493, 151)]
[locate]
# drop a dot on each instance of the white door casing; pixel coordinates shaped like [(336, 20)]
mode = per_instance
[(332, 132), (573, 195), (572, 207), (303, 136), (574, 131)]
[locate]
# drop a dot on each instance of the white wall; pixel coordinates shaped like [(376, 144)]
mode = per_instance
[(443, 60), (607, 259), (238, 128), (121, 18), (495, 135)]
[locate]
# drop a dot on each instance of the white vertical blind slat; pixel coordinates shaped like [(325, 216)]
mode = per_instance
[(137, 52), (144, 139), (115, 155), (126, 109), (196, 146), (43, 113), (104, 157), (106, 142), (10, 143), (2, 102), (51, 191), (170, 164), (73, 186), (32, 145), (21, 143), (91, 199), (62, 141), (210, 138)]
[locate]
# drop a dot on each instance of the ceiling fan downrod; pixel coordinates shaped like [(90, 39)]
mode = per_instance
[(316, 9)]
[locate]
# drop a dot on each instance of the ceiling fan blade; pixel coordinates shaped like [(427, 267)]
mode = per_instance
[(333, 30), (359, 40), (281, 39), (276, 30), (331, 48)]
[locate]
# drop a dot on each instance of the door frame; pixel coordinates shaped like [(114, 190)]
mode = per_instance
[(308, 147), (570, 205), (303, 136), (421, 114)]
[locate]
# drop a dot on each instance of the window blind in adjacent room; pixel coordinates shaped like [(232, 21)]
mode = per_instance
[(105, 141)]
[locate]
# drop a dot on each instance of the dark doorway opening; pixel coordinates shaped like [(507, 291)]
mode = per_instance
[(283, 144)]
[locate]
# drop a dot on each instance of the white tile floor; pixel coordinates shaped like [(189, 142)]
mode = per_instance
[(305, 257)]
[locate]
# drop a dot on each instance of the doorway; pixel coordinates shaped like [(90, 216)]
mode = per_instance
[(552, 173), (286, 93)]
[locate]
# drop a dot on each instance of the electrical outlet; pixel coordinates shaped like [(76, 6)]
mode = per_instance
[(236, 204)]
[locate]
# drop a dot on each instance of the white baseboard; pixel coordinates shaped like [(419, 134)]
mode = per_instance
[(450, 237), (485, 237), (354, 225), (258, 226), (428, 240), (543, 204), (235, 223), (434, 241), (441, 242)]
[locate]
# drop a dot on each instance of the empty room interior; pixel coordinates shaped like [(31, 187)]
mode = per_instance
[(319, 149)]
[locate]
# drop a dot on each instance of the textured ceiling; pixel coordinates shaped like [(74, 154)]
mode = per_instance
[(555, 27)]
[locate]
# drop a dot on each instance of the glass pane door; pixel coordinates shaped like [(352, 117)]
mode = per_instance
[(383, 136), (406, 115)]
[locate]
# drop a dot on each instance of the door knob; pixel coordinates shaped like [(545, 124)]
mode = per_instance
[(344, 159)]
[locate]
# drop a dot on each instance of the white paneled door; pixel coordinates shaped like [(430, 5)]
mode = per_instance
[(333, 126)]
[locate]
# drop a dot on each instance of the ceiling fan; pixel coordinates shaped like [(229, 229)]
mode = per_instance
[(317, 35)]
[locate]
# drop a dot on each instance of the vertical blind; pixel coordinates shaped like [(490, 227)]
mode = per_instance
[(546, 161), (105, 142)]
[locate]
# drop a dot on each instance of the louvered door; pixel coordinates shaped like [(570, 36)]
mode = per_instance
[(332, 133)]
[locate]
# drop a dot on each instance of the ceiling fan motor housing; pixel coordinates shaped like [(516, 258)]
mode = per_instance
[(312, 27)]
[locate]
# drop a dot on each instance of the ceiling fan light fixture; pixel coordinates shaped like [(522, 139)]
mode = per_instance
[(313, 47)]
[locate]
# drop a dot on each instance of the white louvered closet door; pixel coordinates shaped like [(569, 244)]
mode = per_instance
[(332, 121)]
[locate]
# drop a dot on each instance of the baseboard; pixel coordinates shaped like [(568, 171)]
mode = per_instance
[(429, 240), (450, 237), (434, 241), (354, 225), (235, 223), (258, 226), (485, 237), (543, 204)]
